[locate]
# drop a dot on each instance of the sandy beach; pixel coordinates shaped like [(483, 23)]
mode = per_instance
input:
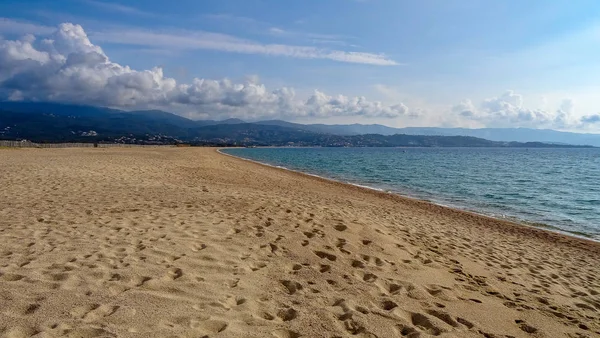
[(174, 242)]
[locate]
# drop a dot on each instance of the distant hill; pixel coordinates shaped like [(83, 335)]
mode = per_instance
[(512, 134), (274, 135), (337, 129), (51, 122), (493, 134), (81, 111)]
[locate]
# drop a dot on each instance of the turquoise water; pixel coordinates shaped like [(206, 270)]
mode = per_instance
[(555, 188)]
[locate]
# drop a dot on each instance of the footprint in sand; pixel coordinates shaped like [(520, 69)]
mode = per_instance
[(233, 283), (443, 316), (284, 333), (198, 247), (358, 264), (140, 281), (390, 287), (254, 266), (291, 286), (465, 322), (340, 227), (340, 245), (326, 255), (324, 268), (210, 326), (372, 260), (287, 314), (388, 305), (93, 312), (9, 277), (235, 301), (100, 312), (309, 234), (422, 322), (174, 273), (525, 327), (271, 248), (367, 277), (27, 310)]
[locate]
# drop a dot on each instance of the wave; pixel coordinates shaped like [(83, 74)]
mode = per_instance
[(365, 186)]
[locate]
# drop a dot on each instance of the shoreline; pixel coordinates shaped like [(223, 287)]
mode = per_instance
[(403, 198)]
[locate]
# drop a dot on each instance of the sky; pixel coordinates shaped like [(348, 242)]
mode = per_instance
[(450, 63)]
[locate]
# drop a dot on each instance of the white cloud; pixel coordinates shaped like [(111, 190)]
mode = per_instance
[(508, 110), (592, 119), (17, 27), (234, 19), (115, 7), (201, 40), (465, 108), (193, 40), (315, 38), (567, 106), (68, 67), (277, 31), (323, 105), (262, 27)]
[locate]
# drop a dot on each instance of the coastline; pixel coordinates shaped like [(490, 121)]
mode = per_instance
[(137, 242), (509, 221)]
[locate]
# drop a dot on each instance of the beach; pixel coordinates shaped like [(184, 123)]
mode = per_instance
[(187, 242)]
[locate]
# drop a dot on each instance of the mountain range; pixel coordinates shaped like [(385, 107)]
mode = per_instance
[(53, 122), (492, 134)]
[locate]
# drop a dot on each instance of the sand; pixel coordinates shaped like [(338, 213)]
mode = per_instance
[(169, 242)]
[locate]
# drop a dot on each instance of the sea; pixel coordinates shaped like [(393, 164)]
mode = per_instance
[(557, 189)]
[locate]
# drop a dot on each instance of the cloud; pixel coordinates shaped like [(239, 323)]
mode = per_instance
[(115, 7), (277, 31), (201, 40), (263, 27), (567, 106), (465, 108), (315, 38), (194, 40), (17, 27), (323, 105), (234, 19), (67, 67), (595, 118), (507, 110)]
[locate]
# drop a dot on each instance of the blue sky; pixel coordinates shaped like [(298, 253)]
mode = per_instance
[(467, 63)]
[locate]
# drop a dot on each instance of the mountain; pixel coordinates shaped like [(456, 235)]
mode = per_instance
[(162, 117), (51, 122), (81, 111), (56, 127), (493, 134), (512, 134), (337, 129), (253, 134)]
